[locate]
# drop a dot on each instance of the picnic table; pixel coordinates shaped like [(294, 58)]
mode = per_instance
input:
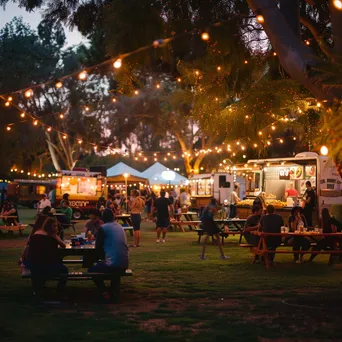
[(124, 218), (189, 216), (262, 250)]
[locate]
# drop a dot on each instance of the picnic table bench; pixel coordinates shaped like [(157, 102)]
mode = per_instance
[(88, 258), (262, 250), (10, 229), (200, 232)]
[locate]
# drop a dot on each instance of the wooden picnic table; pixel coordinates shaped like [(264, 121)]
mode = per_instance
[(236, 224), (189, 216), (262, 249), (124, 218)]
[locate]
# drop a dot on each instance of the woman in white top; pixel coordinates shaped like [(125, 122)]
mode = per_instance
[(234, 199)]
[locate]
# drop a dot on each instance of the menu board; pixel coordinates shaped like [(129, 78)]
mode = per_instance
[(79, 186), (292, 172), (310, 171)]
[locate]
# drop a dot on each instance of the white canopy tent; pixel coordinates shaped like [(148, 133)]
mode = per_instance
[(157, 174), (121, 168)]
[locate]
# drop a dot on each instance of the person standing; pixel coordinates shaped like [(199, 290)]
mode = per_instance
[(44, 202), (291, 192), (211, 229), (137, 206), (234, 199), (163, 206), (271, 223), (309, 203), (111, 247), (52, 197)]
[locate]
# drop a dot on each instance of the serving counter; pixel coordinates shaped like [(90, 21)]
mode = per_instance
[(244, 211)]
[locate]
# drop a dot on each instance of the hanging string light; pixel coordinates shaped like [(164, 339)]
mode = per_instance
[(260, 19), (338, 4), (82, 75), (28, 93), (118, 63), (59, 84), (205, 36)]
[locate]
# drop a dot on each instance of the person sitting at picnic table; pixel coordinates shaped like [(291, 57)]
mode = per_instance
[(94, 223), (300, 243), (9, 209), (109, 200), (329, 225), (210, 228), (260, 200), (252, 224), (111, 246), (44, 258), (44, 202), (64, 198), (101, 203), (67, 211), (271, 223)]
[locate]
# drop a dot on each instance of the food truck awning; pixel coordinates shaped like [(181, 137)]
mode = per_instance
[(130, 179), (301, 156)]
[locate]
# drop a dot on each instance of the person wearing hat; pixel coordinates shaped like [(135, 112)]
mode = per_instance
[(210, 228), (44, 202)]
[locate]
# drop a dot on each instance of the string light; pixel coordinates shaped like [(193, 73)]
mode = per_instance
[(7, 104), (197, 72), (158, 86), (82, 75), (319, 104), (136, 92), (80, 142), (281, 141), (179, 80), (246, 62), (324, 151), (218, 68), (260, 133), (49, 129), (64, 136), (294, 138), (22, 115), (8, 128), (59, 84), (10, 99), (35, 122), (338, 4), (274, 54), (114, 99), (86, 108), (118, 63), (268, 143), (28, 93), (61, 116), (307, 42), (205, 36), (273, 128)]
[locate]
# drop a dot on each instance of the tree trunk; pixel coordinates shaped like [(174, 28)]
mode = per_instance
[(297, 59), (198, 162), (290, 10)]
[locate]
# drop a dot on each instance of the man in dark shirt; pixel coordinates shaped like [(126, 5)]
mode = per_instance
[(271, 223), (162, 205), (310, 202)]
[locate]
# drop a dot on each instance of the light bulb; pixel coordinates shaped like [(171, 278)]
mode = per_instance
[(64, 136), (22, 115), (246, 62), (10, 99), (179, 79), (260, 133), (281, 141), (59, 84), (218, 68), (114, 99), (28, 93), (8, 128), (118, 63), (7, 104), (49, 129), (319, 104), (35, 122), (136, 92), (338, 4), (324, 151), (205, 36), (61, 116), (82, 75), (260, 19)]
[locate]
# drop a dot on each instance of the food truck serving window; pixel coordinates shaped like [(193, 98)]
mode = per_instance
[(79, 185), (200, 187)]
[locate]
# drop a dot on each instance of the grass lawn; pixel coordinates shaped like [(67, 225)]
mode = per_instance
[(175, 296)]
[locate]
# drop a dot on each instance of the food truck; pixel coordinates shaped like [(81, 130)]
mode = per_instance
[(84, 189), (28, 192), (274, 176), (204, 187)]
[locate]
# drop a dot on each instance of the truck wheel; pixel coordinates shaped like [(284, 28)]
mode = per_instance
[(76, 215)]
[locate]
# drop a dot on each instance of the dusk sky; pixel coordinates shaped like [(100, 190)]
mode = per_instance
[(33, 19)]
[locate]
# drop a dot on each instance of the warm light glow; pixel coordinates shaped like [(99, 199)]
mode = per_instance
[(28, 93), (324, 151), (114, 99), (49, 129), (307, 42), (145, 159), (118, 63), (294, 138), (260, 18), (281, 141), (8, 128), (22, 115), (7, 104), (338, 4), (247, 117), (64, 136), (59, 84), (197, 72), (260, 133), (179, 79), (136, 92), (158, 86), (255, 145), (10, 99), (80, 141), (319, 104), (273, 128), (274, 54), (35, 122), (205, 36), (82, 75), (218, 68), (86, 108), (126, 175), (61, 116), (246, 62), (268, 143)]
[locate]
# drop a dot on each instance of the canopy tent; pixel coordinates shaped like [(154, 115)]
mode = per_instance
[(121, 168), (156, 175), (116, 173)]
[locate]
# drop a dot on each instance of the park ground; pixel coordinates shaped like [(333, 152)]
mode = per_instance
[(175, 296)]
